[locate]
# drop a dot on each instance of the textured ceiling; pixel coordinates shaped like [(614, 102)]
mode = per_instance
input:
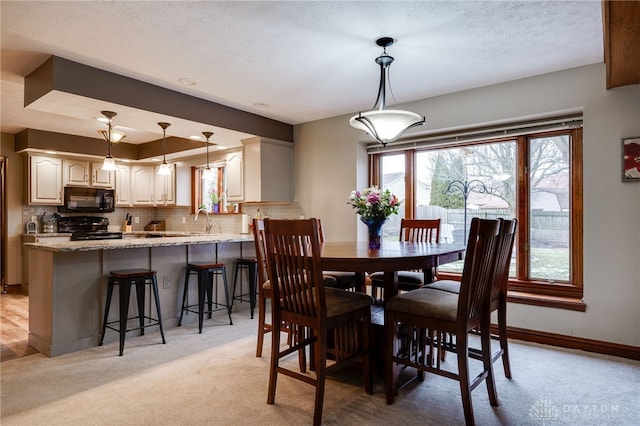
[(306, 60)]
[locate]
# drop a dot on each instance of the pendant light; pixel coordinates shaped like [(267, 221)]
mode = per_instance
[(207, 172), (164, 168), (111, 136), (385, 125)]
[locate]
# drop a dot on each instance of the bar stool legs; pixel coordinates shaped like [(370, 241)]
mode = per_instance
[(206, 273), (251, 265), (125, 279)]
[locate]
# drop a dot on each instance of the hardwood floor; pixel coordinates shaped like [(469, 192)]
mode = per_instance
[(14, 325)]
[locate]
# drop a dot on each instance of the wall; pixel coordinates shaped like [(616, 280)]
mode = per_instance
[(14, 180), (330, 162)]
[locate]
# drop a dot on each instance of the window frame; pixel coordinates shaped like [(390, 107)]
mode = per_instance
[(196, 186), (521, 289)]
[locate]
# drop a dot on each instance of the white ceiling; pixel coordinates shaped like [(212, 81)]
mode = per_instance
[(307, 60)]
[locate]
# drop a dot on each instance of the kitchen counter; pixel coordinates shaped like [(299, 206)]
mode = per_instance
[(68, 282), (140, 240)]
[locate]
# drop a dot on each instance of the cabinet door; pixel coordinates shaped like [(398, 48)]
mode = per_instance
[(101, 178), (165, 188), (45, 180), (142, 185), (235, 181), (123, 185), (76, 172)]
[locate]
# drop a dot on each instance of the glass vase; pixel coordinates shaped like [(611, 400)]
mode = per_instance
[(374, 226)]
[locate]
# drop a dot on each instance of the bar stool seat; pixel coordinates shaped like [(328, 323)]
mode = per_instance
[(206, 272), (127, 278), (251, 266)]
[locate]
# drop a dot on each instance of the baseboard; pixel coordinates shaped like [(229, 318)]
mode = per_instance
[(572, 342)]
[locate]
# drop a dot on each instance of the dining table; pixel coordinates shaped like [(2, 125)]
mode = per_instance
[(391, 257)]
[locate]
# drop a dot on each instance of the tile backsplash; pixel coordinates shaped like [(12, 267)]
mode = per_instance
[(175, 216)]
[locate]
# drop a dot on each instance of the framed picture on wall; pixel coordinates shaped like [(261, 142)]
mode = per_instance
[(631, 159)]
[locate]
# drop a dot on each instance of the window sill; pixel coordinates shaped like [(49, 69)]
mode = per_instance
[(558, 302)]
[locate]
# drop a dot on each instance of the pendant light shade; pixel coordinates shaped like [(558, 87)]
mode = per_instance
[(164, 169), (207, 172), (111, 136), (385, 125)]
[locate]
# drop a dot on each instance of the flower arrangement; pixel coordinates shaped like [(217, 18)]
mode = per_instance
[(373, 203), (214, 197)]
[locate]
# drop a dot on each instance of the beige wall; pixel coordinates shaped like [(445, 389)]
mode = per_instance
[(330, 162), (14, 191)]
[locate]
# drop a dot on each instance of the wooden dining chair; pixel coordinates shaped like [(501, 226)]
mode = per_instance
[(264, 291), (498, 289), (445, 312), (412, 230), (300, 299)]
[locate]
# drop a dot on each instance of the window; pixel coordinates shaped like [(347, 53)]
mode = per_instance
[(535, 177), (207, 192)]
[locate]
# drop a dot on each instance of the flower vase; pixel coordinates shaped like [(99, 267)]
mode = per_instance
[(216, 208), (374, 226)]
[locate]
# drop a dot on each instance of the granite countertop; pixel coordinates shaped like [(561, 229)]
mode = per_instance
[(171, 239)]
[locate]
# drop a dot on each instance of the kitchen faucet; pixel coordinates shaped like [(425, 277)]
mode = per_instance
[(208, 224)]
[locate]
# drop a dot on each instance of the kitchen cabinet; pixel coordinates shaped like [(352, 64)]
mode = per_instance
[(142, 185), (268, 170), (101, 178), (165, 187), (76, 172), (45, 180), (235, 177), (123, 185)]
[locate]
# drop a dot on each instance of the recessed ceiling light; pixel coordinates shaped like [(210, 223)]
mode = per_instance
[(261, 105), (187, 81), (196, 137), (50, 152), (156, 159), (103, 119), (220, 147), (124, 160)]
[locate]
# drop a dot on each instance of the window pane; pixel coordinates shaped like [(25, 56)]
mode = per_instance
[(209, 190), (457, 184), (393, 173), (549, 208)]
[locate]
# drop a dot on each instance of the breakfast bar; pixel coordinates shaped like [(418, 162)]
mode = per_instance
[(68, 282)]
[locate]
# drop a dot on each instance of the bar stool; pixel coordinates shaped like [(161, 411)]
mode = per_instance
[(125, 279), (206, 272), (251, 266)]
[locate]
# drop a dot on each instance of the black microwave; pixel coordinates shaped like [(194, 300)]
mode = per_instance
[(87, 200)]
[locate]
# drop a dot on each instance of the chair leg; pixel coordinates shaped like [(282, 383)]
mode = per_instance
[(140, 287), (462, 346), (390, 347), (125, 292), (184, 295), (253, 274), (321, 369), (275, 359), (226, 295), (203, 278), (156, 296), (106, 310), (262, 305), (487, 362), (368, 360), (504, 342)]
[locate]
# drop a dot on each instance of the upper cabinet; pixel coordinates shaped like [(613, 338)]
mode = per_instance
[(142, 185), (235, 177), (76, 172), (123, 185), (165, 187), (102, 178), (45, 180), (268, 170)]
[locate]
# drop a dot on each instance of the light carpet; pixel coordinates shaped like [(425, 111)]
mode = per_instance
[(214, 378)]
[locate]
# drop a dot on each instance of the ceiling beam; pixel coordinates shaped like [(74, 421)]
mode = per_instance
[(621, 25)]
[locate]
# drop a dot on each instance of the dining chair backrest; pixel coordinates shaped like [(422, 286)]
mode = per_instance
[(261, 250), (478, 270), (420, 230), (503, 258), (294, 268)]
